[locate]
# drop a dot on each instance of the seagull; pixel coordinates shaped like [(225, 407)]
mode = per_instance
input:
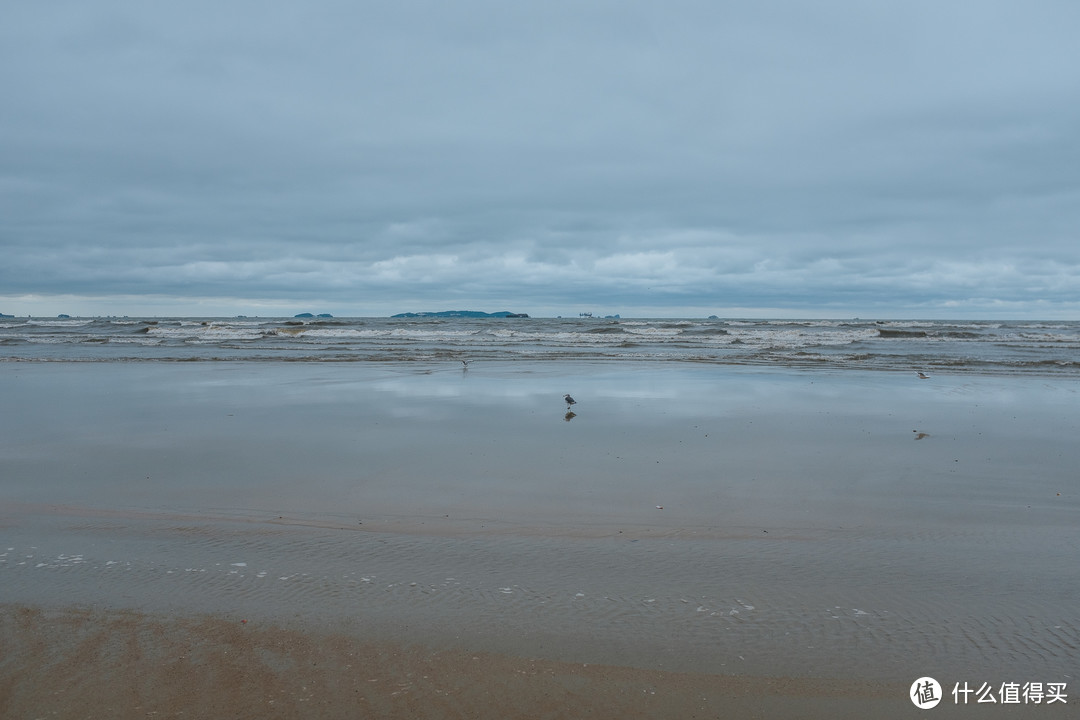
[(464, 364), (569, 401), (922, 376)]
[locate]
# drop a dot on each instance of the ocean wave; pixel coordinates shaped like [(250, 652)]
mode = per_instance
[(705, 331), (901, 333), (290, 331), (75, 322), (1036, 347)]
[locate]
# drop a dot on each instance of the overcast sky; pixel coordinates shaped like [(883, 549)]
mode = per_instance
[(790, 159)]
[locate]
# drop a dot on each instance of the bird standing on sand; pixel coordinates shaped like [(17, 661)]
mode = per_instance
[(569, 401)]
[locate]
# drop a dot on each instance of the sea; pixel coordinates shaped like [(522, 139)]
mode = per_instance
[(773, 498), (981, 347)]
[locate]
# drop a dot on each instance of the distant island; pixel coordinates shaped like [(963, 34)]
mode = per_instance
[(461, 314), (309, 315)]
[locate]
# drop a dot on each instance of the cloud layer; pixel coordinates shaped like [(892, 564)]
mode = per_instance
[(780, 158)]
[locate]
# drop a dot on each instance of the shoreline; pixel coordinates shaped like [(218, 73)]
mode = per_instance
[(750, 535), (793, 602), (124, 664)]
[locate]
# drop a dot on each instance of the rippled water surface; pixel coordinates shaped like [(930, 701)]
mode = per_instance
[(962, 346)]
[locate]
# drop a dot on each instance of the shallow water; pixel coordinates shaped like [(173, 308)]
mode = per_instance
[(860, 524)]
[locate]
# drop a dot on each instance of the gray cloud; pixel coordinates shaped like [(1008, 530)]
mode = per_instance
[(775, 157)]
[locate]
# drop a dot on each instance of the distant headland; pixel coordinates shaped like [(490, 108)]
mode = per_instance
[(461, 314)]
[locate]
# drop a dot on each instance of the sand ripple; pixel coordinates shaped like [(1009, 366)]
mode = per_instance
[(752, 604)]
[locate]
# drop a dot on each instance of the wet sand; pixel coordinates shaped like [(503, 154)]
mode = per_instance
[(128, 665), (693, 542)]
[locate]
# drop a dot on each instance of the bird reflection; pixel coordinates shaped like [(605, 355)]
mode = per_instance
[(570, 415)]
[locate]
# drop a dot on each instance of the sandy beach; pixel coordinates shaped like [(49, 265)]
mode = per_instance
[(261, 539), (127, 665)]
